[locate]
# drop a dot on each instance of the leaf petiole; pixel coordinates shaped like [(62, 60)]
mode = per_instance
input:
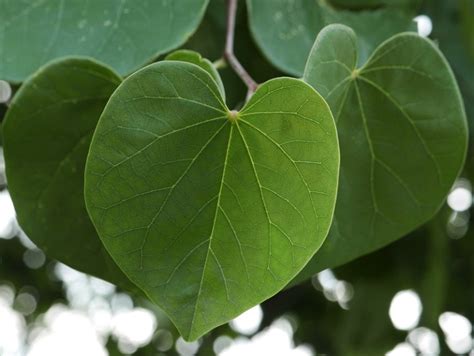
[(229, 50)]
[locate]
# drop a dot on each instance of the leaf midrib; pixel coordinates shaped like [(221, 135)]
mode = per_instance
[(353, 82), (212, 231)]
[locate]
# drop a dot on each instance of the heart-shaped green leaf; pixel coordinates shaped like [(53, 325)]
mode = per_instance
[(121, 33), (211, 211), (189, 56), (285, 29), (47, 132), (402, 133)]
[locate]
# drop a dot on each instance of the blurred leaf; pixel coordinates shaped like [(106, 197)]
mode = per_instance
[(195, 58), (209, 39), (402, 133), (47, 132), (187, 196), (118, 33), (285, 30)]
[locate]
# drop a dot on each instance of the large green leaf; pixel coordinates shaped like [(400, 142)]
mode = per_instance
[(402, 133), (210, 211), (121, 33), (47, 132), (285, 29)]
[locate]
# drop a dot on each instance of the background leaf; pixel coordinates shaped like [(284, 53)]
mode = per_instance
[(285, 30), (402, 133), (121, 33), (211, 212), (48, 129)]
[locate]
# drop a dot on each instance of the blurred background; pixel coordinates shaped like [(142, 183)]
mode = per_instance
[(414, 297)]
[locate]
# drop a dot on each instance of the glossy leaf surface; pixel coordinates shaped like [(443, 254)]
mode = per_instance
[(121, 33), (402, 133), (47, 132), (211, 212)]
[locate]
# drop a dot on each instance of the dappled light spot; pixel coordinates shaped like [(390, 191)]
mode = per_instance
[(334, 290), (458, 224), (8, 225), (134, 328), (34, 258), (5, 91), (7, 295), (405, 310), (248, 322), (60, 335), (457, 330), (276, 340), (25, 303), (12, 324), (424, 24), (402, 349), (221, 343), (460, 198), (163, 340), (120, 302), (425, 340), (185, 348), (101, 287), (101, 316)]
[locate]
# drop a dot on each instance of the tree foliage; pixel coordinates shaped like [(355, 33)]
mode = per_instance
[(211, 180)]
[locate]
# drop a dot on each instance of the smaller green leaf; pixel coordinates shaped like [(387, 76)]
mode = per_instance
[(47, 132), (185, 55), (211, 211), (402, 133)]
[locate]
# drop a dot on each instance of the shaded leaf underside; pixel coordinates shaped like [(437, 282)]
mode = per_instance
[(48, 129)]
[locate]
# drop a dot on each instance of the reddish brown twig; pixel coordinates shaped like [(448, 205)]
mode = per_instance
[(229, 50)]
